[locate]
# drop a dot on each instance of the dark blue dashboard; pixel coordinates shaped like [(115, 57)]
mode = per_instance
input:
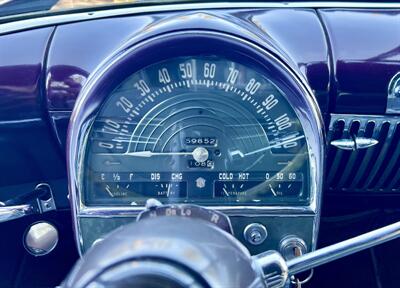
[(347, 57), (39, 89)]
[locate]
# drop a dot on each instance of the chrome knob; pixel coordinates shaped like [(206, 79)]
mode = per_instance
[(255, 233), (40, 238)]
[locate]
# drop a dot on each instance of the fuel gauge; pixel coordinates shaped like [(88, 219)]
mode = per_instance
[(115, 189)]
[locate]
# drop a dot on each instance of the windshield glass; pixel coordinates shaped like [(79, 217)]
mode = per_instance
[(26, 7), (14, 7)]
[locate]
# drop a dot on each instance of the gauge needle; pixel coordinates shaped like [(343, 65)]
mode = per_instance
[(109, 191), (241, 154), (272, 190), (151, 154), (169, 189), (226, 192), (200, 154)]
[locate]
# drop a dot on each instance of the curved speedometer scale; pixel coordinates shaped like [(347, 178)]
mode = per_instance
[(197, 129)]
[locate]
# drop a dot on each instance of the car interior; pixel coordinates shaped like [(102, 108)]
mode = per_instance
[(201, 144)]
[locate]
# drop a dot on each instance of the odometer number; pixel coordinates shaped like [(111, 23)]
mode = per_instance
[(198, 141)]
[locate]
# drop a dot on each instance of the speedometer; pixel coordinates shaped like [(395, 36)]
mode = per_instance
[(202, 128)]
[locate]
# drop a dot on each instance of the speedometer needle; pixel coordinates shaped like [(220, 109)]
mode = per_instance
[(150, 153), (200, 154), (241, 154)]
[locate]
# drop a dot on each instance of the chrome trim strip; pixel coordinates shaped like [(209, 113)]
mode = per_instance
[(80, 125), (46, 21), (21, 121), (107, 212)]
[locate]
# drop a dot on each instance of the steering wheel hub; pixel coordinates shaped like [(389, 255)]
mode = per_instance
[(171, 251)]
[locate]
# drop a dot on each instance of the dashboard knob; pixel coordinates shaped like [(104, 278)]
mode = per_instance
[(41, 238), (255, 233)]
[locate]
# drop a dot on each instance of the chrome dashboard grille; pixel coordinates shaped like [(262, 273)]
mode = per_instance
[(371, 170)]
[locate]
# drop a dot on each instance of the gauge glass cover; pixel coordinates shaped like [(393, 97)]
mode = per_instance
[(199, 129)]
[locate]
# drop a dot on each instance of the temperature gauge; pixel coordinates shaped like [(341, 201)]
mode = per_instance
[(234, 189)]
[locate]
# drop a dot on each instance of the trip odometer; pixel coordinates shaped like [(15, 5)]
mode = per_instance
[(201, 129)]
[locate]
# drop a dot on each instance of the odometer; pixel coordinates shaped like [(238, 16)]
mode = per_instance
[(203, 129)]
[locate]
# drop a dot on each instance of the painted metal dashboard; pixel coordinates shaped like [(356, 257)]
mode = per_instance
[(312, 46)]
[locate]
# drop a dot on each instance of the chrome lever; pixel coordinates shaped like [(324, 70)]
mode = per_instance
[(277, 271), (344, 248), (43, 201), (8, 213)]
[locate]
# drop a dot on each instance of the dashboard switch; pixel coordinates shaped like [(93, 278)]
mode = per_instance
[(255, 233)]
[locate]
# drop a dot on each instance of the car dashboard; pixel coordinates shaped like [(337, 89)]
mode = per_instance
[(282, 116)]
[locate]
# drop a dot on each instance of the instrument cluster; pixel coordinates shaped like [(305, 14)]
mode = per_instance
[(200, 129), (197, 117)]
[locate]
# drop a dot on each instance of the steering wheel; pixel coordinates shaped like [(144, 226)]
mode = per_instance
[(191, 246)]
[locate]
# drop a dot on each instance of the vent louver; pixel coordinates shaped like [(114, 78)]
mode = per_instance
[(371, 170)]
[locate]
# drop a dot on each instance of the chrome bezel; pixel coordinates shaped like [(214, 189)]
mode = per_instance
[(82, 118)]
